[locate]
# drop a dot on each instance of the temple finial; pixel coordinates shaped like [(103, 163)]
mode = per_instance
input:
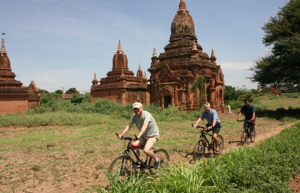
[(95, 78), (120, 47), (2, 47), (182, 5), (154, 53), (145, 75), (212, 53), (140, 69)]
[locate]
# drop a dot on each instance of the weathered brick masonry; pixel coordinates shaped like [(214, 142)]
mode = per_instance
[(172, 73), (13, 98)]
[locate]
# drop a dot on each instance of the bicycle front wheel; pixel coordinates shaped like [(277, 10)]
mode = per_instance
[(244, 137), (220, 144), (252, 138), (123, 166), (163, 156), (199, 149)]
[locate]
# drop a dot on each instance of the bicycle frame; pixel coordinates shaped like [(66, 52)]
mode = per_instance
[(210, 143), (132, 148)]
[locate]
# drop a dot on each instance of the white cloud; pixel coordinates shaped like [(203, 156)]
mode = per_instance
[(236, 65)]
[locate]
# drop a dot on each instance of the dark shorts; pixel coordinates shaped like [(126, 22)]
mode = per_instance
[(252, 123), (216, 129)]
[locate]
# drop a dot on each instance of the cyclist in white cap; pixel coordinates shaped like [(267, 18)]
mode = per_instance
[(148, 131)]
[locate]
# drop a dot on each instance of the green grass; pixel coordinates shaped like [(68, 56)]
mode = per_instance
[(263, 168), (56, 118)]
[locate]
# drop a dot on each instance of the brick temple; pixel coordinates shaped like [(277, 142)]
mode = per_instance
[(13, 98), (121, 85), (175, 70), (172, 73)]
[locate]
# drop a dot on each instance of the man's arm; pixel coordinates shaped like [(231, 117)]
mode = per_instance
[(144, 128), (126, 130), (214, 123), (240, 114), (253, 116), (198, 121)]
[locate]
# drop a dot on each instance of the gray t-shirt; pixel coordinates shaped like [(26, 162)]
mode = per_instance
[(152, 129)]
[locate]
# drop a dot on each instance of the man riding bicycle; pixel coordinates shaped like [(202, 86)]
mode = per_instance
[(214, 123), (148, 131), (249, 112)]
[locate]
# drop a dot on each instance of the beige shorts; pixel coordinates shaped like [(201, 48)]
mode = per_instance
[(148, 141)]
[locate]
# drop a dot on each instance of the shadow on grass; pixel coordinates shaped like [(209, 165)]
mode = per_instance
[(282, 114)]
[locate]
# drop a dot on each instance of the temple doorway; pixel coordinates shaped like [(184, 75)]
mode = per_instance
[(167, 101)]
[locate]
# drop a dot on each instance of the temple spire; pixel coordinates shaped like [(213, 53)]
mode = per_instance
[(95, 78), (213, 57), (120, 47), (194, 45), (145, 75), (2, 51), (154, 53), (182, 5), (140, 69), (212, 53)]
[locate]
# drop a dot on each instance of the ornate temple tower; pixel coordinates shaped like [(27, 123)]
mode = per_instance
[(13, 98), (121, 85), (175, 70)]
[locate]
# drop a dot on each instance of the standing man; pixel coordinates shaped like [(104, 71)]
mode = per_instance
[(148, 131), (249, 112), (213, 123)]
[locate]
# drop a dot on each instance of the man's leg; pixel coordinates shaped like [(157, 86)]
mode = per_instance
[(140, 142), (148, 146), (215, 138)]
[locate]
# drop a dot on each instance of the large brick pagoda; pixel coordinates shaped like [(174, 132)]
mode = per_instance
[(175, 70), (121, 85), (13, 98)]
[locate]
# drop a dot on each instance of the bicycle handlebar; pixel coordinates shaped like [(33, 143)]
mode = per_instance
[(127, 138), (245, 120), (197, 126)]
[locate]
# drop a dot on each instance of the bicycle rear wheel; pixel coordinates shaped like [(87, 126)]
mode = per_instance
[(199, 149), (244, 137), (220, 144), (163, 156), (123, 166)]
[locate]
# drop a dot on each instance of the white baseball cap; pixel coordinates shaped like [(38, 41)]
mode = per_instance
[(137, 105)]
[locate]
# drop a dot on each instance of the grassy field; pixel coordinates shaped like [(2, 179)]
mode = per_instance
[(58, 158)]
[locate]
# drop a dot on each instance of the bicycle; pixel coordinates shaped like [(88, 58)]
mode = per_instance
[(199, 148), (124, 165), (246, 133)]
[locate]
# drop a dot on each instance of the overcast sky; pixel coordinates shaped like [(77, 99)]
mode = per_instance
[(62, 43)]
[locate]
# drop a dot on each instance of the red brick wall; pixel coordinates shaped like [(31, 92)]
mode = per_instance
[(13, 105)]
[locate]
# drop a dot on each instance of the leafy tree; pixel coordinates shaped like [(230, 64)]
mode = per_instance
[(44, 92), (72, 91), (58, 91), (199, 84), (282, 66), (231, 93)]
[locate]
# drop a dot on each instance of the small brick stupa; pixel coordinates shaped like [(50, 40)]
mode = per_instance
[(34, 95), (121, 85), (258, 91), (275, 90), (13, 98), (174, 71)]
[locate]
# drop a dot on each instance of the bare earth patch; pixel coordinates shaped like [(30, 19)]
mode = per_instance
[(295, 184)]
